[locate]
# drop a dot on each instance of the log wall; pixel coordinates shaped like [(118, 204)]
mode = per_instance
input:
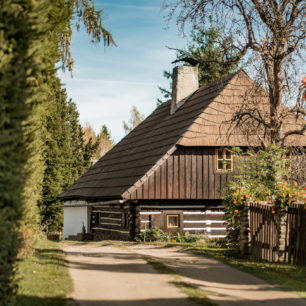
[(112, 222), (206, 221)]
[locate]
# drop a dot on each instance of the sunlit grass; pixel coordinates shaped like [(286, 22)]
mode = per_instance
[(43, 276)]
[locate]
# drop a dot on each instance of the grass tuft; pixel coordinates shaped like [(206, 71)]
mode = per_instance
[(194, 293), (159, 266)]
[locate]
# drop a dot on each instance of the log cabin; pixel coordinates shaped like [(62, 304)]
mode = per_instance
[(170, 170)]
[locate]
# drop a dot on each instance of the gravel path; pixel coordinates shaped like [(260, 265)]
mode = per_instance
[(108, 276)]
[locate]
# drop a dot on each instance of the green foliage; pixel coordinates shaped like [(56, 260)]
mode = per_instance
[(157, 234), (216, 59), (154, 234), (64, 154), (41, 148), (166, 93), (21, 30), (259, 176)]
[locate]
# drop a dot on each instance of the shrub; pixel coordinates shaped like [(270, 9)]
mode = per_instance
[(153, 234), (259, 176), (157, 234)]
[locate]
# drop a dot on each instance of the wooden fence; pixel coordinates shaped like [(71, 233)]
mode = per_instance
[(277, 236)]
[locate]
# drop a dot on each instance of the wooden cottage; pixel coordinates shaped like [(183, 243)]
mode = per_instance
[(169, 171)]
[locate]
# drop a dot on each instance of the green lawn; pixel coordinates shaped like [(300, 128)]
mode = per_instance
[(288, 277), (43, 276)]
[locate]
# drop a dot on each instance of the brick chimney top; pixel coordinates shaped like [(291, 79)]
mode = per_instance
[(185, 82)]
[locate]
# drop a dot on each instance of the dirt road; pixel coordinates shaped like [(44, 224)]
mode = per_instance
[(108, 276)]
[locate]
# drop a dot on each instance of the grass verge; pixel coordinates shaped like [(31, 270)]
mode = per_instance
[(43, 276), (285, 276), (195, 294)]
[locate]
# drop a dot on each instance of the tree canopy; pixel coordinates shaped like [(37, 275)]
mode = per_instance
[(214, 57)]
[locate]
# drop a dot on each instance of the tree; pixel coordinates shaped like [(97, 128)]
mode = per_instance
[(67, 155), (89, 134), (212, 56), (105, 143), (272, 34), (34, 37), (57, 158), (64, 154), (101, 142), (23, 25), (91, 144), (135, 119), (64, 12)]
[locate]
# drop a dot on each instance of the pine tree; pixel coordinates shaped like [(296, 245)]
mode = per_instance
[(205, 48), (64, 154), (56, 157), (77, 145), (22, 25)]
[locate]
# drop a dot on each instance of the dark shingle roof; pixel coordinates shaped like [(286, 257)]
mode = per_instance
[(136, 153)]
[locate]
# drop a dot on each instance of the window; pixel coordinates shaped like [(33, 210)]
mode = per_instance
[(95, 218), (172, 221), (224, 160)]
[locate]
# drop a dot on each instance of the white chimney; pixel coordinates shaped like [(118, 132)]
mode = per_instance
[(185, 82)]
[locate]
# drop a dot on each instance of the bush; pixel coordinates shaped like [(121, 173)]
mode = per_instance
[(259, 176), (157, 234), (153, 234), (189, 238)]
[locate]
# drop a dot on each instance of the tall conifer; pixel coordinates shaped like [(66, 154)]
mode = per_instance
[(21, 26)]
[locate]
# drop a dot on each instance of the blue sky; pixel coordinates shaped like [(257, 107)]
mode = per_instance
[(107, 82)]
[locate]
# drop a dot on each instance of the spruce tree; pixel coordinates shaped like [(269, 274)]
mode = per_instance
[(204, 47), (65, 155), (56, 157), (21, 29)]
